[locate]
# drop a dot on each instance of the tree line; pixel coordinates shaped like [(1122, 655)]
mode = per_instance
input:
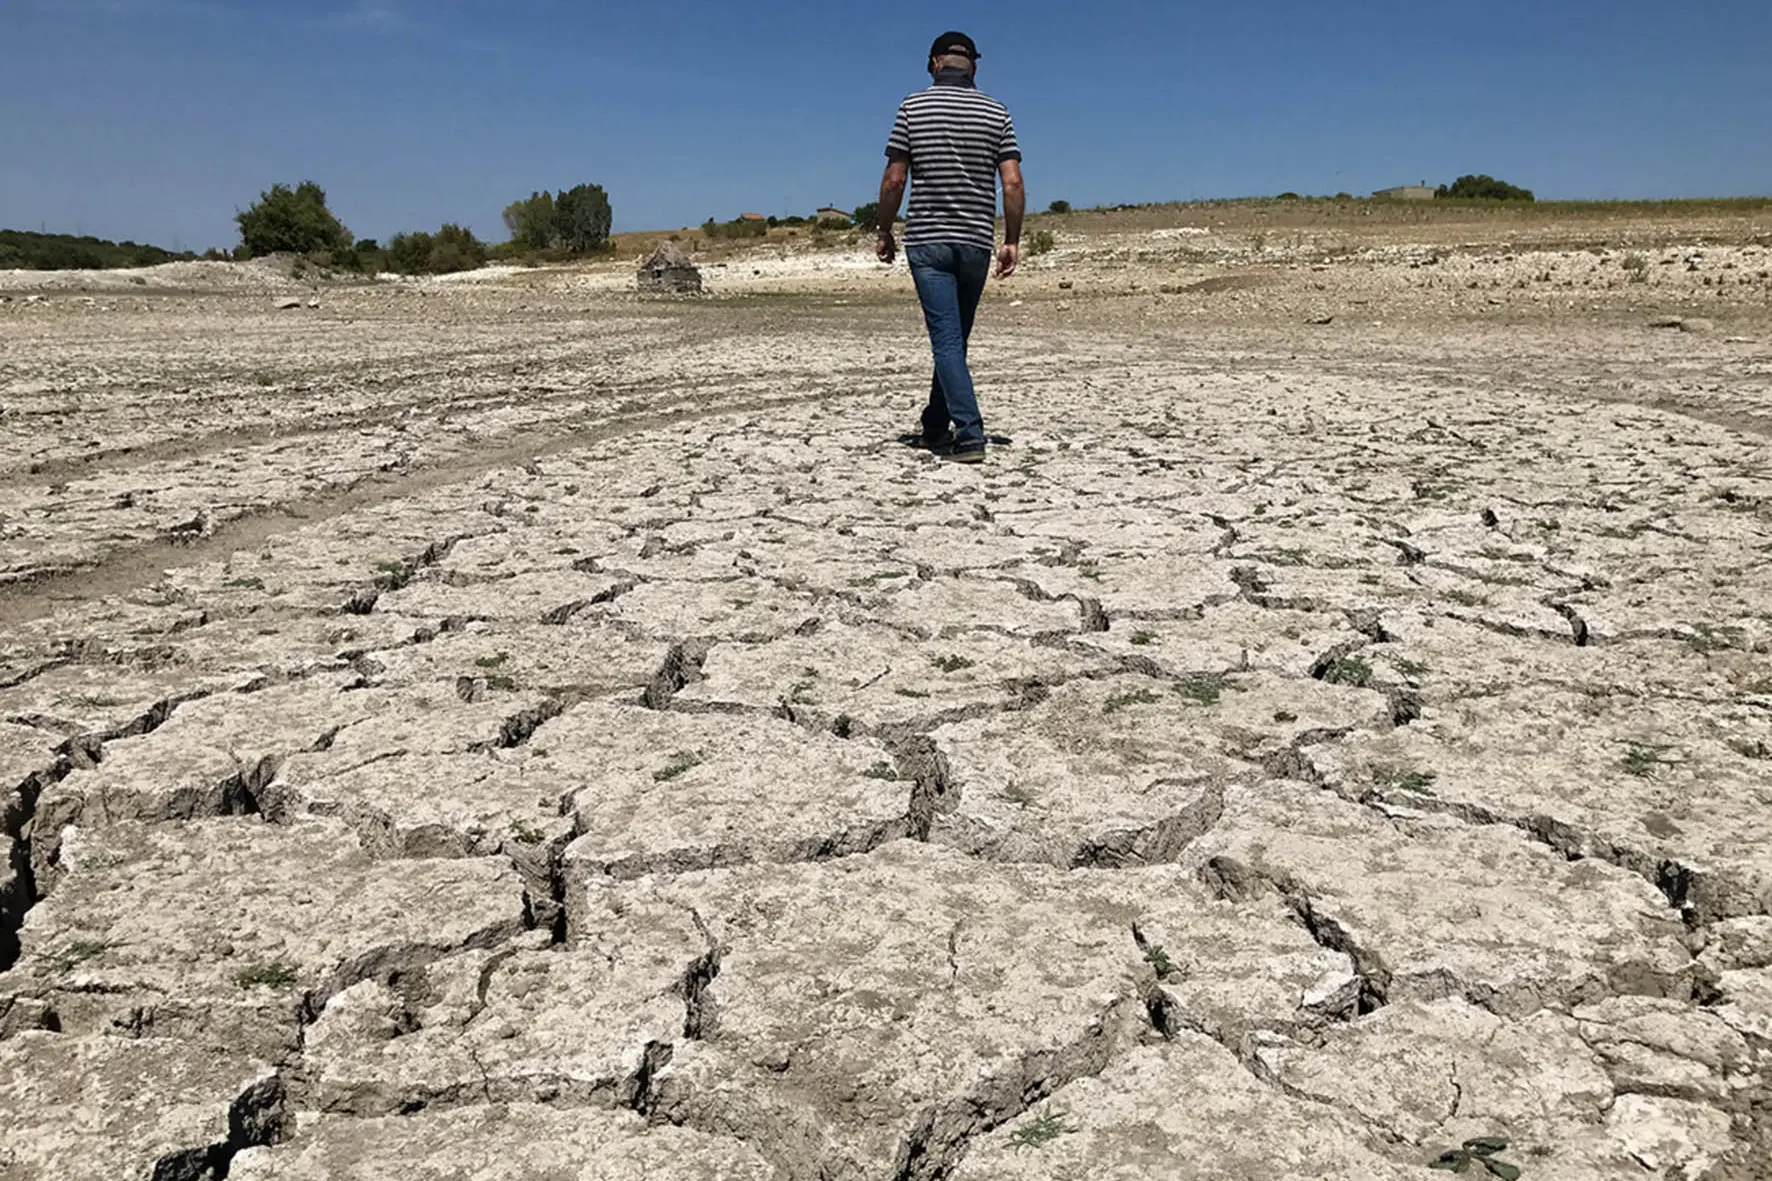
[(23, 250), (285, 220)]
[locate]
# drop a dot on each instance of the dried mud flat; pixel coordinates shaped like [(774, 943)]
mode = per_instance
[(507, 729)]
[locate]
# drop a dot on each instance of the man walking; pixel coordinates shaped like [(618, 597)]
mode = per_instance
[(951, 142)]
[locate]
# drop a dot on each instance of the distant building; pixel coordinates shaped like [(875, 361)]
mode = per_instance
[(752, 217), (1421, 192), (828, 213)]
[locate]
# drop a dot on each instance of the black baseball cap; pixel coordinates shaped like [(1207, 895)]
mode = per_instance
[(954, 43)]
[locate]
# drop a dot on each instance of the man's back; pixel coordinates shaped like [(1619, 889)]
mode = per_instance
[(955, 138)]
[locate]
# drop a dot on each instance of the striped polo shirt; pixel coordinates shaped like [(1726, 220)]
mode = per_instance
[(954, 136)]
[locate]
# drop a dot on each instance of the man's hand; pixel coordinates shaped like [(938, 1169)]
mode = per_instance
[(1007, 256), (888, 251)]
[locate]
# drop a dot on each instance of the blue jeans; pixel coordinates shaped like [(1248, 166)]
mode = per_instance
[(950, 281)]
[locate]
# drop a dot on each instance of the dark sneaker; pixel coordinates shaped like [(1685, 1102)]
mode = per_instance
[(973, 454), (941, 442)]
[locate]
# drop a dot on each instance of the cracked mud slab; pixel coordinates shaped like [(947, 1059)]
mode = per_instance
[(914, 997), (227, 933), (554, 733), (80, 1107), (515, 1142)]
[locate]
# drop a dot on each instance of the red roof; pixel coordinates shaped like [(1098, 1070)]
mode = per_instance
[(752, 217)]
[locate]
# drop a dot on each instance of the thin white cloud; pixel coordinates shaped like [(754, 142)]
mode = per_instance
[(369, 14)]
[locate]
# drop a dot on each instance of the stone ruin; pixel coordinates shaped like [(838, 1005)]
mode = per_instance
[(668, 271)]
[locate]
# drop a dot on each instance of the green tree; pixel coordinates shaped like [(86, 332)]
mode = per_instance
[(1484, 187), (294, 221), (409, 254), (1059, 207), (582, 218), (454, 248), (531, 221), (867, 216)]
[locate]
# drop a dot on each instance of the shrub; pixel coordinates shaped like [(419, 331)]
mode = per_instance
[(293, 221), (1485, 188), (531, 221), (736, 228), (867, 217), (1039, 242), (1287, 196), (1059, 207), (27, 250), (452, 248)]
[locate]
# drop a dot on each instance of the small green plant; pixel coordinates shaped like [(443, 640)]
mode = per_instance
[(272, 975), (1089, 572), (1022, 797), (915, 694), (1205, 688), (681, 763), (1396, 779), (1349, 670), (497, 660), (391, 576), (525, 833), (801, 693), (1039, 242), (1413, 669), (1159, 960), (75, 954), (1143, 639), (951, 664), (1048, 1126), (1710, 637), (1644, 760), (1481, 1151), (1636, 266), (502, 684), (1120, 701), (882, 770), (245, 584)]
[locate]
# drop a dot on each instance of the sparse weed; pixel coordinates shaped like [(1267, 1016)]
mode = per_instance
[(915, 694), (1467, 598), (1048, 1126), (1120, 701), (1754, 749), (1413, 669), (75, 954), (882, 770), (497, 660), (1396, 779), (391, 576), (245, 584), (1039, 242), (1636, 266), (93, 701), (1022, 797), (502, 684), (1159, 960), (1205, 688), (1290, 556), (1481, 1151), (526, 834), (681, 763), (1349, 670), (801, 693), (272, 975), (1644, 760), (951, 663), (1706, 638), (1143, 639)]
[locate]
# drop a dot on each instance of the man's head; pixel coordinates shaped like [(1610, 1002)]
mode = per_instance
[(953, 51)]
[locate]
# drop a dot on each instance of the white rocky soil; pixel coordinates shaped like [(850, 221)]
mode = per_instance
[(510, 730)]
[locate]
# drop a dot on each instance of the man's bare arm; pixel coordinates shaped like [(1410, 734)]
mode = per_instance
[(1015, 208), (892, 186)]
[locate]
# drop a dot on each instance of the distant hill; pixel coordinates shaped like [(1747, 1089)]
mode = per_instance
[(23, 250)]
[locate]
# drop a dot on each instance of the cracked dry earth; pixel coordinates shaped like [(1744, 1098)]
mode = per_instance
[(1271, 765)]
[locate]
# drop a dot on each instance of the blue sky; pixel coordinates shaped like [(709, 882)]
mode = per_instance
[(157, 119)]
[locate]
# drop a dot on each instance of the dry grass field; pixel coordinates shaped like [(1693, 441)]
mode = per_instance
[(504, 727)]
